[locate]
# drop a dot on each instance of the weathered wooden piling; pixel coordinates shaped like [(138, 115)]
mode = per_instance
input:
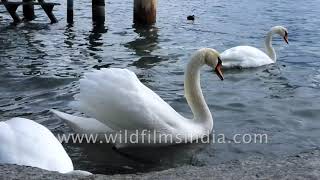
[(145, 12), (98, 11), (28, 10), (70, 11)]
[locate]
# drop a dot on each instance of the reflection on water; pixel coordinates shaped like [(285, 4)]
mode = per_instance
[(144, 44), (40, 65), (94, 39), (70, 35), (95, 42)]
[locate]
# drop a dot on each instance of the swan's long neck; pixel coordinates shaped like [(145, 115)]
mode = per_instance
[(193, 91), (270, 50)]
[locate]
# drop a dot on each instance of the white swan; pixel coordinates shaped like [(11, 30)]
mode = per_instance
[(117, 101), (25, 142), (247, 56)]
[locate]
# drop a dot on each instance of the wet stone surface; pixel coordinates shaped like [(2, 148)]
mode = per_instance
[(301, 166)]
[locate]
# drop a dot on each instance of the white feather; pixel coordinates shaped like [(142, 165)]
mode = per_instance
[(83, 125), (244, 56), (25, 142), (116, 98)]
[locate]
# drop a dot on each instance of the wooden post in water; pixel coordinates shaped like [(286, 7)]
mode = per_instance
[(145, 12), (28, 10), (98, 11), (70, 11)]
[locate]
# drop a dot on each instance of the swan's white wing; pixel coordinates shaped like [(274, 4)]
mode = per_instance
[(25, 142), (118, 99), (244, 56), (82, 124)]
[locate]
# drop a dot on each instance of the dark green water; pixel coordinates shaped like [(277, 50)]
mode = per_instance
[(40, 65)]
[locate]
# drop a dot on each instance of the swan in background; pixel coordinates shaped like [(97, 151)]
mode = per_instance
[(248, 56), (25, 142), (116, 100)]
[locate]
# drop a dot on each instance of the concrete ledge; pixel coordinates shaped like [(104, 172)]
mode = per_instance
[(302, 166)]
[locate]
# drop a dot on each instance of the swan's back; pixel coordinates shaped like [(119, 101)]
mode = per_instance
[(118, 99), (244, 56), (25, 142)]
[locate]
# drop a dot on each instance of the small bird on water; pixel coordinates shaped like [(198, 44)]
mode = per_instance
[(191, 18)]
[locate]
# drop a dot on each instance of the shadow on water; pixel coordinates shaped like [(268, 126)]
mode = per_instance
[(9, 27), (132, 160)]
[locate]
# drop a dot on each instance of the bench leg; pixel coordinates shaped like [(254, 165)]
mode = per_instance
[(48, 10), (12, 11)]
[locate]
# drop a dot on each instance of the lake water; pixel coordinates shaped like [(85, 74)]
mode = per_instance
[(41, 63)]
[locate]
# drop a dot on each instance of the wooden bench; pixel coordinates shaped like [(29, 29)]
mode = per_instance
[(12, 8)]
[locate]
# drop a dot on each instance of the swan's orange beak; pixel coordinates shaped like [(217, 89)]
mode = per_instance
[(285, 38), (218, 69)]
